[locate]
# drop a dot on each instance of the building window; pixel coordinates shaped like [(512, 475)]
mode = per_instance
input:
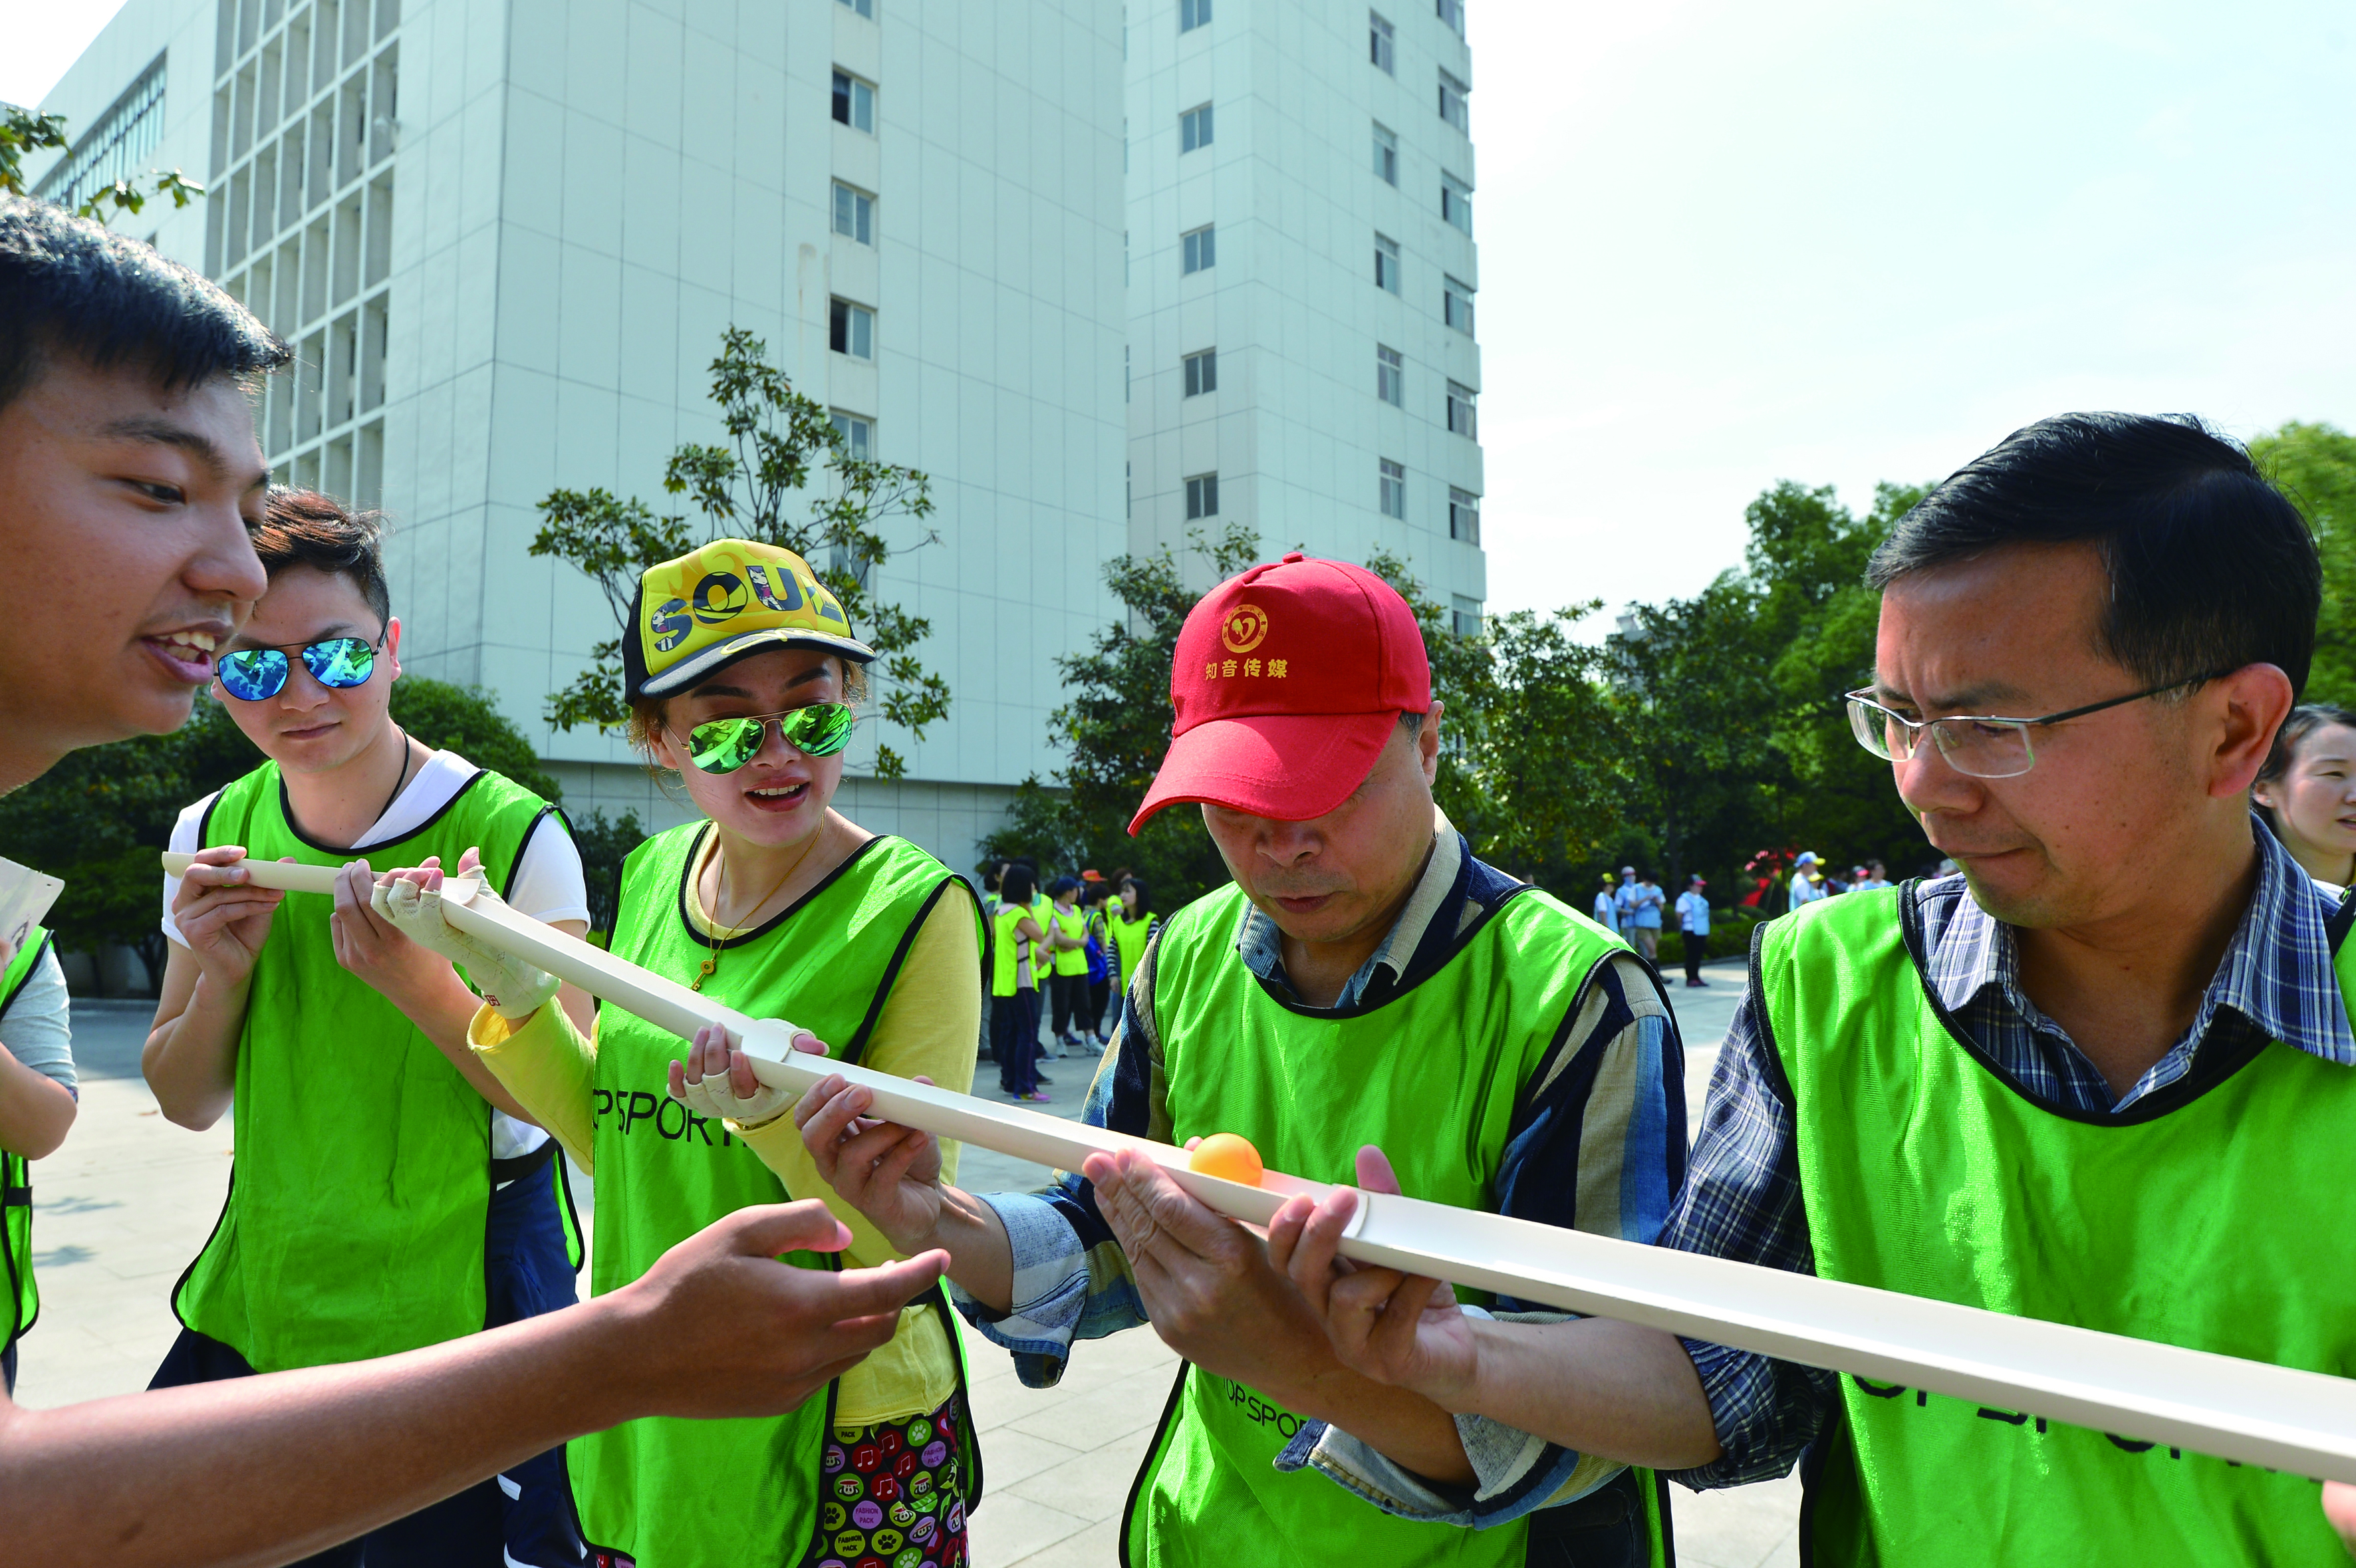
[(1453, 13), (1453, 95), (1194, 14), (1456, 202), (1386, 154), (1195, 129), (1390, 376), (851, 329), (1466, 618), (117, 147), (1464, 515), (1394, 489), (854, 214), (1202, 372), (854, 103), (1459, 410), (1201, 251), (1457, 310), (867, 7), (858, 434), (1386, 264), (1381, 43), (1202, 496)]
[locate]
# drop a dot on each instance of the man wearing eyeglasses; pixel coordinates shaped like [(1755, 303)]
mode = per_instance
[(388, 1192), (2103, 1077)]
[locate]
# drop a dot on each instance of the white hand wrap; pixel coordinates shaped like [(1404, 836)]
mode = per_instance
[(511, 987), (714, 1095)]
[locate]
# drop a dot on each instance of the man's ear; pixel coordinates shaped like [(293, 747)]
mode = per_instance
[(2257, 699), (1427, 742)]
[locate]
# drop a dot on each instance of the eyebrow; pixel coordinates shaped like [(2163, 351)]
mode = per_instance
[(164, 433), (1980, 699), (332, 629)]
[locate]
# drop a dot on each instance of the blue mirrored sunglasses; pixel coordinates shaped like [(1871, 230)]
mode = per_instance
[(250, 674)]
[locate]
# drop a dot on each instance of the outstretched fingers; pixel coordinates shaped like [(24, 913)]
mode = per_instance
[(772, 1229), (887, 1287)]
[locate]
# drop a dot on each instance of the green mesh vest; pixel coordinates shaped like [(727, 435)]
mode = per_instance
[(672, 1493), (1433, 1074), (2204, 1217), (23, 1303), (361, 1185)]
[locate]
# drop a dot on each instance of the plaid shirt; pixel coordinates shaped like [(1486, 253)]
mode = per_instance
[(1742, 1197), (1603, 1149)]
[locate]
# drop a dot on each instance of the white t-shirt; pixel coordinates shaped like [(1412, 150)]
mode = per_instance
[(547, 884)]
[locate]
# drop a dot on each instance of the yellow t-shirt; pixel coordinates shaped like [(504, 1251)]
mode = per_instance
[(929, 1026)]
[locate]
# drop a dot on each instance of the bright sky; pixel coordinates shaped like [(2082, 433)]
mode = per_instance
[(1725, 243)]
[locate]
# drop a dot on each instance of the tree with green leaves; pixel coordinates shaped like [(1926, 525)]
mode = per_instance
[(1528, 739), (2315, 466), (22, 132), (1114, 728), (1806, 560), (747, 488)]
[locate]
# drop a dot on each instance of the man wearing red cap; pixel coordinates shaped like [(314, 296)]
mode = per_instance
[(1364, 981)]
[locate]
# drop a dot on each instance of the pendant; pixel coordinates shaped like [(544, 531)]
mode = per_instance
[(703, 973)]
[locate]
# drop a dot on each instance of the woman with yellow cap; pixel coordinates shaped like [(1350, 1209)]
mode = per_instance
[(743, 678)]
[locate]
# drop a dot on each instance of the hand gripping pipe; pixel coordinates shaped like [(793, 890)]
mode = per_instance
[(2297, 1421)]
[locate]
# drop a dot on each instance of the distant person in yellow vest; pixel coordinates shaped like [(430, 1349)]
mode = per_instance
[(1132, 923), (780, 906), (1017, 955), (1096, 897), (2124, 1025), (1067, 940)]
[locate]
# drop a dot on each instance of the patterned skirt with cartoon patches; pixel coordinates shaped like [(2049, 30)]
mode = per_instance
[(892, 1496)]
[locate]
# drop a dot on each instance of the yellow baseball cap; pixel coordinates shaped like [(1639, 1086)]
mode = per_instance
[(728, 600)]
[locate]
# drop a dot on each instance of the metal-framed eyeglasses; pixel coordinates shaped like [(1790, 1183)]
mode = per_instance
[(1978, 745)]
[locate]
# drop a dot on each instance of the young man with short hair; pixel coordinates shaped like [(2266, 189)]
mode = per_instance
[(345, 1238), (128, 473), (2105, 1077), (1365, 978)]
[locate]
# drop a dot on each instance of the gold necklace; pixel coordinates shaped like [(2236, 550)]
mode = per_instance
[(719, 891)]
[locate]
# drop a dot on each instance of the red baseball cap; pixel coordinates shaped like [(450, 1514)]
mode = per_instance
[(1287, 681)]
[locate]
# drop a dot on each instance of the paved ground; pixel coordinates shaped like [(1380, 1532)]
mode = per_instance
[(128, 1201)]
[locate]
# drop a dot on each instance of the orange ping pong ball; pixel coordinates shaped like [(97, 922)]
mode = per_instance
[(1229, 1158)]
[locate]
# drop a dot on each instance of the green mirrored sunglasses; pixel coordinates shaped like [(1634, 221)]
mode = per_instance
[(724, 746)]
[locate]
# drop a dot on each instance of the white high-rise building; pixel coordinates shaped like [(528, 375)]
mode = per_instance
[(505, 237), (1301, 281)]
